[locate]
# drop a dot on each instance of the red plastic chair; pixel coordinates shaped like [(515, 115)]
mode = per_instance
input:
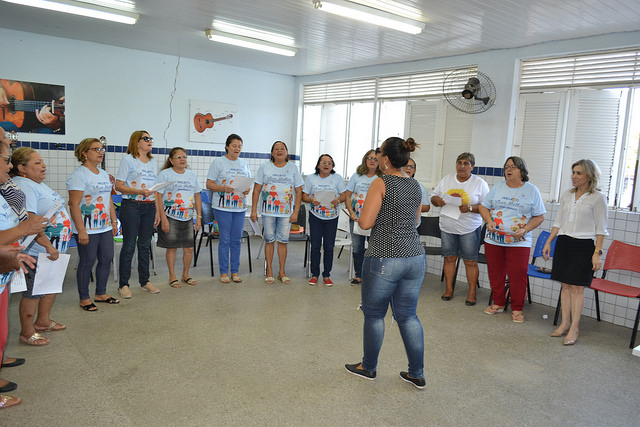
[(620, 256)]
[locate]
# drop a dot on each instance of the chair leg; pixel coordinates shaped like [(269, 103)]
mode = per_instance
[(249, 253), (210, 243), (635, 328), (558, 305), (455, 276), (595, 294), (528, 290)]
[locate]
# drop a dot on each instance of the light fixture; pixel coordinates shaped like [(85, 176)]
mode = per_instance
[(83, 9), (371, 15), (238, 35)]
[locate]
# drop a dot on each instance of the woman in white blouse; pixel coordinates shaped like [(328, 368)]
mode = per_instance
[(582, 218)]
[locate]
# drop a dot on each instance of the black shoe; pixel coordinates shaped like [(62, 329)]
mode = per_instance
[(470, 303), (9, 387), (417, 382), (445, 298), (367, 375), (19, 361)]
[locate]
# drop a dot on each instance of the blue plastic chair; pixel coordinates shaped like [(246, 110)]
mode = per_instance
[(534, 270)]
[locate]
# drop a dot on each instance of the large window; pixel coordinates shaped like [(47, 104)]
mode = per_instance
[(585, 106), (346, 119)]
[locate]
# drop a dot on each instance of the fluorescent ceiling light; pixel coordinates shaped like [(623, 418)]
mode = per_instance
[(253, 33), (83, 9), (249, 42), (371, 15)]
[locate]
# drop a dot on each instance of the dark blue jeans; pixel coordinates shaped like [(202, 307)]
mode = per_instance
[(395, 282), (357, 244), (137, 227), (323, 234), (100, 247)]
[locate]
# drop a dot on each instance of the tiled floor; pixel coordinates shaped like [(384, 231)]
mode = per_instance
[(257, 354)]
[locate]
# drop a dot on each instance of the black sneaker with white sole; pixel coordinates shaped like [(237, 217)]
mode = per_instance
[(417, 382), (367, 375)]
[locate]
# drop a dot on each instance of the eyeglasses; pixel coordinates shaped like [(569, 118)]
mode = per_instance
[(326, 163), (180, 157), (8, 158), (410, 167), (372, 158), (98, 149), (507, 167), (146, 138)]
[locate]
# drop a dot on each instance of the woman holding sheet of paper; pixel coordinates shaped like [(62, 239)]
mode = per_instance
[(460, 222), (136, 176), (94, 220), (324, 191), (278, 191), (356, 193), (229, 179), (29, 172)]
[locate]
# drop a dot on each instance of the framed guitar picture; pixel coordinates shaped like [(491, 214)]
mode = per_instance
[(32, 107), (211, 121)]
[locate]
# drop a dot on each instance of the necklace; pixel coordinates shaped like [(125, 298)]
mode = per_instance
[(513, 195)]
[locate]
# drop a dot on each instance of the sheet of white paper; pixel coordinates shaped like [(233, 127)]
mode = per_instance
[(50, 274), (450, 200), (159, 186), (52, 211), (451, 207), (18, 282), (256, 228), (360, 231), (325, 197), (241, 184)]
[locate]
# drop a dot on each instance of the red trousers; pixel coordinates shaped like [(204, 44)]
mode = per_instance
[(505, 261)]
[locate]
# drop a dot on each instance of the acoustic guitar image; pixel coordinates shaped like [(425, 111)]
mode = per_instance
[(206, 121), (21, 97)]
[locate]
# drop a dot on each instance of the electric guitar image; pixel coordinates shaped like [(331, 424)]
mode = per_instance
[(203, 122), (21, 99)]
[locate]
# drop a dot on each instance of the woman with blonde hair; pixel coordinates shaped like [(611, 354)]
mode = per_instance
[(581, 225), (139, 215)]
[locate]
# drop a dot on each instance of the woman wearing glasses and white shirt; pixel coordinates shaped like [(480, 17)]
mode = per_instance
[(137, 173), (90, 195)]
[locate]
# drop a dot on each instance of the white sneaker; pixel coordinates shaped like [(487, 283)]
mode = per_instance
[(125, 292), (149, 287)]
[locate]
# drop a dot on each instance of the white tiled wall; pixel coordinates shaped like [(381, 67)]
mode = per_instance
[(623, 226)]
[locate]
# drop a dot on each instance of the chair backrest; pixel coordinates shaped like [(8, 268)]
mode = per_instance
[(205, 197), (430, 226), (622, 256), (542, 240), (302, 217), (207, 211)]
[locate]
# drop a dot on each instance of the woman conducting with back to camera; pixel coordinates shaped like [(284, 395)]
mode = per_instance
[(394, 263), (581, 219)]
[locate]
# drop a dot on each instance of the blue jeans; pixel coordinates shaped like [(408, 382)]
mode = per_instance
[(230, 226), (137, 220), (276, 228), (357, 245), (100, 246), (395, 281), (323, 234), (465, 246)]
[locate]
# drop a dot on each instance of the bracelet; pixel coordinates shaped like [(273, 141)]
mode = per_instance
[(199, 216)]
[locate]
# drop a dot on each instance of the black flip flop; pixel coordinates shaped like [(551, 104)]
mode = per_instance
[(110, 300), (89, 307), (19, 361)]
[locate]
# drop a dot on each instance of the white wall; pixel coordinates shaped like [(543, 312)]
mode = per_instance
[(113, 91)]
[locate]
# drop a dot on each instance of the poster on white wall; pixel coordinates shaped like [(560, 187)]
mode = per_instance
[(211, 121)]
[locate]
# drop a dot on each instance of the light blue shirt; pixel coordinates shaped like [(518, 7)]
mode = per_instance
[(96, 189), (278, 192), (178, 198), (137, 174), (333, 183), (359, 186), (222, 171)]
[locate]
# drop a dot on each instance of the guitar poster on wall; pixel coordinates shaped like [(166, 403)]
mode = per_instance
[(211, 121), (31, 107)]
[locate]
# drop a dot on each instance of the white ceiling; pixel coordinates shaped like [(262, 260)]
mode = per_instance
[(328, 43)]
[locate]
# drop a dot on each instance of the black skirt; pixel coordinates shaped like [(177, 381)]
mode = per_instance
[(572, 261)]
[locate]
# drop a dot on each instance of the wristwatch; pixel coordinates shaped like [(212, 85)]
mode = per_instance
[(598, 251), (470, 208)]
